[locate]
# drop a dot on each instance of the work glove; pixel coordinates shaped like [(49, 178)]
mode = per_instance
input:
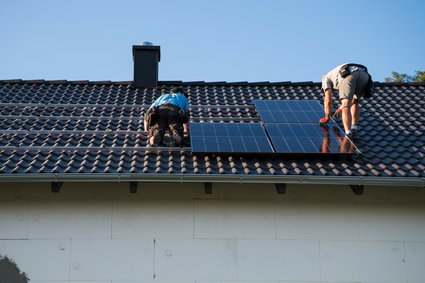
[(323, 121), (337, 113)]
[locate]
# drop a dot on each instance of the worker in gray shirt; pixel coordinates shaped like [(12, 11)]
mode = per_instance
[(350, 80)]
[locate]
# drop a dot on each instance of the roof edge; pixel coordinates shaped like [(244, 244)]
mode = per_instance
[(189, 83), (217, 178)]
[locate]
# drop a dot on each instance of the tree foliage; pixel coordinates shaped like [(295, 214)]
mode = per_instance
[(420, 76), (405, 78), (9, 271)]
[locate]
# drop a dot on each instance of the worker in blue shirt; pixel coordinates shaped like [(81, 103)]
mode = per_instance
[(169, 111)]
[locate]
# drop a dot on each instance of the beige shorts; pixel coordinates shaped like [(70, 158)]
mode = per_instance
[(353, 86)]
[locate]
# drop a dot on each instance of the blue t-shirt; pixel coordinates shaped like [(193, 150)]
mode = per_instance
[(175, 98)]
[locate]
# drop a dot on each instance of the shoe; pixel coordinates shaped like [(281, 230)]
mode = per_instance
[(156, 141), (169, 141)]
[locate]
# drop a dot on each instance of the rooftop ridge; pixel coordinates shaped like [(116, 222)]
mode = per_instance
[(108, 82)]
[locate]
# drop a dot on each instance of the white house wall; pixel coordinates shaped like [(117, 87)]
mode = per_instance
[(175, 233)]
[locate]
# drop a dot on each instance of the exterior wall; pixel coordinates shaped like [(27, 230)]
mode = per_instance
[(92, 232)]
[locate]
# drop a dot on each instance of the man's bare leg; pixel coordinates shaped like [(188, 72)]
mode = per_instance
[(355, 113), (346, 115)]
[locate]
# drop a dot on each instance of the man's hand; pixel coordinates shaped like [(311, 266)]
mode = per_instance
[(337, 113), (323, 121)]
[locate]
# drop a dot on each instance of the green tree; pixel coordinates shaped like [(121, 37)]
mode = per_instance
[(420, 76), (405, 78)]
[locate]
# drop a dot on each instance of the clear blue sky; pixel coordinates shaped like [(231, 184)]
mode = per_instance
[(220, 40)]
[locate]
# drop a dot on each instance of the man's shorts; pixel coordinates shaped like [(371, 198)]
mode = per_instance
[(167, 117), (353, 86)]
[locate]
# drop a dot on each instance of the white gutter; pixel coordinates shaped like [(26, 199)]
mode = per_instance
[(217, 178)]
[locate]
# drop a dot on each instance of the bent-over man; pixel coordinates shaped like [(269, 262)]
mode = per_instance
[(350, 80), (169, 111)]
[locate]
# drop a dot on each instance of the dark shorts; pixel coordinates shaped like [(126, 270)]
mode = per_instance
[(167, 118)]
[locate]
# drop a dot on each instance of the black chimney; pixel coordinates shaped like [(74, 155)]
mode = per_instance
[(146, 58)]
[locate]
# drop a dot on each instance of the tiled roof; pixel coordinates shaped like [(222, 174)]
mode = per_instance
[(82, 128)]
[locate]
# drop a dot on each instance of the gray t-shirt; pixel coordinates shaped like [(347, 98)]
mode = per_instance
[(330, 80)]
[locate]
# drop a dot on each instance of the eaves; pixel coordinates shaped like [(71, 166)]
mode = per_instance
[(218, 178)]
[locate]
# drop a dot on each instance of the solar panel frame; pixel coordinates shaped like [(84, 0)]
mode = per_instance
[(226, 138)]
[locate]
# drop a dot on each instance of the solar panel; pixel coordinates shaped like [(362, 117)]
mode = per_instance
[(309, 139), (293, 128), (229, 138), (289, 111)]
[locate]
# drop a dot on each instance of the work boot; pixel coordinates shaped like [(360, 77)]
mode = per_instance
[(156, 141), (169, 141)]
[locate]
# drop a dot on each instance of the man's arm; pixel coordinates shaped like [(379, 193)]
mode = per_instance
[(328, 103), (186, 107), (145, 125)]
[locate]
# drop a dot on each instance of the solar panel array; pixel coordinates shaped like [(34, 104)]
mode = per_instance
[(289, 127)]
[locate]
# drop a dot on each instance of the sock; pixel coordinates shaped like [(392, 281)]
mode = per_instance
[(348, 132), (354, 127)]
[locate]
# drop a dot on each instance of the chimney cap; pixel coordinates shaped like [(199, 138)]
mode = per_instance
[(146, 47), (146, 43)]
